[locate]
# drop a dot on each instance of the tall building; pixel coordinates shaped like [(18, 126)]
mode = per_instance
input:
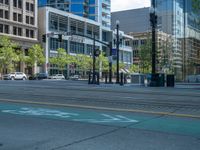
[(18, 20), (177, 18), (134, 20), (180, 19), (97, 10)]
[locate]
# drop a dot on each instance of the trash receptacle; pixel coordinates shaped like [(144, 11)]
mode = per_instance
[(170, 80), (157, 80)]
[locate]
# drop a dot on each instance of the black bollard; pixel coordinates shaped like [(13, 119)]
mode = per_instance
[(125, 79), (89, 78), (121, 79), (106, 79), (98, 78)]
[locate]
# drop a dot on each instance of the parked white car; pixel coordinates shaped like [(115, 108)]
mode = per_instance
[(15, 76), (57, 76), (74, 77)]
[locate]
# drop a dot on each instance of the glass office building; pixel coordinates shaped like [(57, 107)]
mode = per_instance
[(97, 10), (180, 19)]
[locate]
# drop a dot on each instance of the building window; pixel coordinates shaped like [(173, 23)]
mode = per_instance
[(31, 34), (19, 17), (6, 14), (63, 23), (7, 2), (15, 16), (20, 31), (32, 20), (6, 29), (53, 22), (14, 3), (77, 48), (15, 30), (1, 13), (27, 19), (20, 4), (1, 28), (27, 6), (32, 7), (27, 32), (53, 44)]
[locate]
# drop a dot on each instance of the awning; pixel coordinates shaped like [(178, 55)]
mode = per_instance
[(124, 71)]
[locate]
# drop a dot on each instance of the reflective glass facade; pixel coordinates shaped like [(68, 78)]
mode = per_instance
[(97, 10), (182, 21), (83, 8)]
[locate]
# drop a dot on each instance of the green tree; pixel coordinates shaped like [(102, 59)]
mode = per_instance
[(35, 56), (145, 56), (134, 68), (102, 61), (121, 66), (83, 62), (61, 60), (8, 56)]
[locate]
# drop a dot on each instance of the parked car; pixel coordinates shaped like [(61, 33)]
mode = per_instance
[(39, 76), (74, 77), (15, 76), (57, 76)]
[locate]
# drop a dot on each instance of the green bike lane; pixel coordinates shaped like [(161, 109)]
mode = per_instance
[(159, 123)]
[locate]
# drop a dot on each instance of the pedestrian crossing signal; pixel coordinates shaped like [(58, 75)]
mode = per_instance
[(44, 38)]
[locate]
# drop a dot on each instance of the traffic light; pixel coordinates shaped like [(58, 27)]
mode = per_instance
[(60, 37), (44, 38)]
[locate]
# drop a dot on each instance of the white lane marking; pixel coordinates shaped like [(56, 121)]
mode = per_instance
[(41, 112)]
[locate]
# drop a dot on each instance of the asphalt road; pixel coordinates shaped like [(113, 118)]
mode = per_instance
[(70, 115)]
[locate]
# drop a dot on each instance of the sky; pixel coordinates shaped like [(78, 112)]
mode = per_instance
[(118, 5)]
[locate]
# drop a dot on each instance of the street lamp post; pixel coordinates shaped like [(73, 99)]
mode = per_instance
[(153, 20), (117, 49), (110, 63)]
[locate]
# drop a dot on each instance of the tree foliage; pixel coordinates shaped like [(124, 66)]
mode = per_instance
[(103, 62), (83, 62), (35, 56), (61, 59), (8, 56), (134, 68), (145, 56)]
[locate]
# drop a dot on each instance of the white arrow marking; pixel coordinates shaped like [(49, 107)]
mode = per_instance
[(109, 118)]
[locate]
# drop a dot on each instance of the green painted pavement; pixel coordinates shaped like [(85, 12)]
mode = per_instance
[(174, 125)]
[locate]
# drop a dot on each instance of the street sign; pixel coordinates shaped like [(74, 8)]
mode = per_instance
[(114, 51)]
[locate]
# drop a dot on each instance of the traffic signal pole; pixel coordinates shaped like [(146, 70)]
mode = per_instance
[(94, 61)]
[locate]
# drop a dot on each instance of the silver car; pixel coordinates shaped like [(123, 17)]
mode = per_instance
[(57, 76)]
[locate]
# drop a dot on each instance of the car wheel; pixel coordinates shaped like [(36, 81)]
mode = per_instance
[(12, 78), (23, 78)]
